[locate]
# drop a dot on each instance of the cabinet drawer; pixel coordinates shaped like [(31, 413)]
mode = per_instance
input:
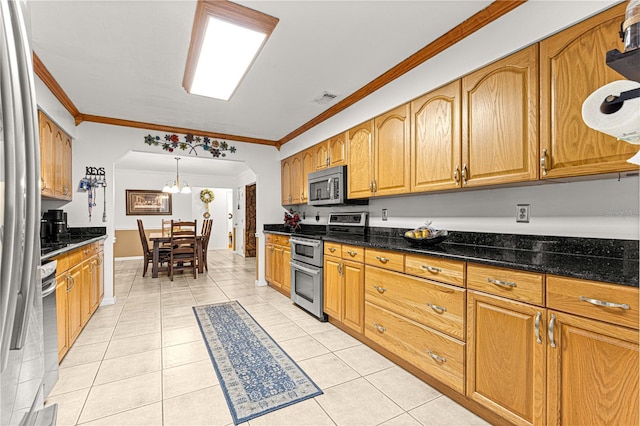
[(63, 263), (354, 253), (433, 268), (435, 305), (86, 252), (283, 240), (332, 249), (384, 259), (434, 353), (74, 257), (509, 283), (584, 298)]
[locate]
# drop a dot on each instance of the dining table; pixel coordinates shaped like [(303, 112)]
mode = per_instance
[(158, 238)]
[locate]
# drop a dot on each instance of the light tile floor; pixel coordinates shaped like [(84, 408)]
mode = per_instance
[(143, 361)]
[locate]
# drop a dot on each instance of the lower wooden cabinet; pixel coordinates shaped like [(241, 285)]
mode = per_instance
[(344, 291), (61, 315), (592, 374), (277, 256), (74, 303), (506, 365)]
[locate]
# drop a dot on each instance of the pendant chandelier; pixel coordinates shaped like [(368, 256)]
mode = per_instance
[(175, 186)]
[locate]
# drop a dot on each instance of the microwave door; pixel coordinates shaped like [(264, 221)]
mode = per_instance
[(320, 190)]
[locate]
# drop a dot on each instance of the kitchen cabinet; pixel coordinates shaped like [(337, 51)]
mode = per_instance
[(506, 363), (277, 270), (308, 166), (86, 282), (344, 287), (360, 161), (435, 140), (391, 157), (74, 303), (296, 179), (55, 160), (500, 121), (572, 66), (62, 314), (331, 153), (285, 181), (97, 281)]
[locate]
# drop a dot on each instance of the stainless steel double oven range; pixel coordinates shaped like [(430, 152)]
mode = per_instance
[(307, 260)]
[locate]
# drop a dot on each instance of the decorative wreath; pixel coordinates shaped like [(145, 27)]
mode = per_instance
[(206, 196)]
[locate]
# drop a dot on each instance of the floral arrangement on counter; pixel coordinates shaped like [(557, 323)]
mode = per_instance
[(292, 220), (172, 141)]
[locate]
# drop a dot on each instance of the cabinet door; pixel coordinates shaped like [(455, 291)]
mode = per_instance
[(86, 283), (392, 152), (572, 66), (67, 178), (59, 163), (269, 255), (353, 303), (307, 167), (506, 357), (74, 301), (47, 152), (277, 266), (338, 150), (500, 121), (435, 140), (592, 372), (332, 287), (286, 270), (100, 276), (321, 155), (61, 316), (360, 160), (296, 179), (285, 168)]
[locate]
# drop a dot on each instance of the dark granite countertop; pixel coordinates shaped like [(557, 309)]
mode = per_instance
[(76, 238), (605, 260)]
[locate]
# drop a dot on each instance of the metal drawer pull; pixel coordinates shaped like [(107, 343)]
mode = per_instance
[(440, 309), (501, 283), (537, 327), (380, 328), (552, 323), (431, 268), (382, 259), (352, 253), (331, 249), (380, 289), (605, 304), (436, 357)]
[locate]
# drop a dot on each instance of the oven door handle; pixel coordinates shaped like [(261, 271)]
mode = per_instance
[(303, 269), (51, 287), (312, 243)]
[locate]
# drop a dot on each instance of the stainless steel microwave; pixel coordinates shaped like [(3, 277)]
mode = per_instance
[(328, 187)]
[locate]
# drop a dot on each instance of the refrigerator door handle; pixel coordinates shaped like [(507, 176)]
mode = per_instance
[(10, 264), (29, 172)]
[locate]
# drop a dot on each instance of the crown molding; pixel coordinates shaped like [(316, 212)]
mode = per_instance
[(43, 73)]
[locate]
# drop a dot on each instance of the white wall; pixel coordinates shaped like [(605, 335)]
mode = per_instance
[(219, 211)]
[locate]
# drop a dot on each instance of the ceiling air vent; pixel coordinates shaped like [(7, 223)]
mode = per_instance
[(325, 98)]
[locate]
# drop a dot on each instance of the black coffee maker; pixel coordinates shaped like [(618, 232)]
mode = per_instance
[(55, 227)]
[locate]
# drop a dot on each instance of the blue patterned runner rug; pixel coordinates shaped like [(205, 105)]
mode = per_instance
[(256, 375)]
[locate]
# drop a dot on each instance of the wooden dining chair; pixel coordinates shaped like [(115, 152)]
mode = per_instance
[(147, 252), (206, 233), (184, 248)]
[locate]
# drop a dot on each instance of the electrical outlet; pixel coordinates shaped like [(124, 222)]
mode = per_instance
[(522, 213), (385, 215)]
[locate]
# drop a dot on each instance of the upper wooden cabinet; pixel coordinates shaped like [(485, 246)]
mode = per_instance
[(321, 155), (572, 66), (338, 150), (435, 140), (391, 152), (360, 160), (500, 121), (55, 160), (286, 184), (306, 159), (296, 179)]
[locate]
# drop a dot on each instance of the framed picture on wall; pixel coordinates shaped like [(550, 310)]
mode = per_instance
[(148, 202)]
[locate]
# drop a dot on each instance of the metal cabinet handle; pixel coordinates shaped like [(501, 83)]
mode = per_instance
[(332, 249), (371, 186), (536, 327), (502, 283), (327, 161), (99, 261), (552, 323), (603, 303), (436, 357), (71, 281), (382, 259), (464, 174), (43, 184), (352, 253), (431, 269), (375, 186), (380, 289), (340, 268), (65, 190), (380, 328), (543, 162), (456, 174), (439, 309)]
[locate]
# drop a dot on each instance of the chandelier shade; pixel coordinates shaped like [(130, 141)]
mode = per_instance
[(176, 186)]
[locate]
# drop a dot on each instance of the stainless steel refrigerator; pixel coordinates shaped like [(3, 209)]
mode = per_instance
[(21, 321)]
